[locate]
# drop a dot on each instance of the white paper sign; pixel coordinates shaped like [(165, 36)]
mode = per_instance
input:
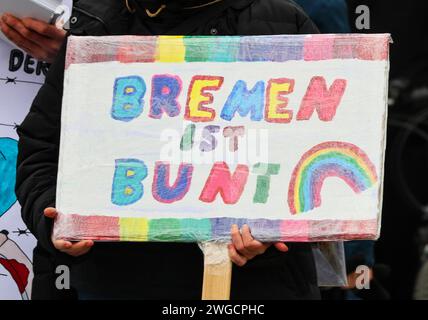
[(179, 151)]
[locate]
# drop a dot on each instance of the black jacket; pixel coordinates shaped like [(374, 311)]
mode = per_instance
[(149, 270)]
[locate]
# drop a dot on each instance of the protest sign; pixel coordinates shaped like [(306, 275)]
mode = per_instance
[(178, 138), (21, 76)]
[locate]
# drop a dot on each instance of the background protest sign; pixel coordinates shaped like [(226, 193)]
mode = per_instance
[(177, 138), (21, 76)]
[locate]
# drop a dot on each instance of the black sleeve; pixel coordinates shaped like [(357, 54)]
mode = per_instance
[(38, 152), (307, 26), (304, 24), (267, 17)]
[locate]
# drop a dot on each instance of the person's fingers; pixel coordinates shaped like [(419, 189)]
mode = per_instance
[(34, 30), (43, 28), (2, 24), (235, 256), (245, 244), (246, 235), (11, 34), (281, 246), (38, 46), (81, 252), (46, 35), (253, 246), (79, 248), (50, 213), (239, 243), (250, 243), (62, 245), (17, 25), (74, 249), (237, 238), (30, 47)]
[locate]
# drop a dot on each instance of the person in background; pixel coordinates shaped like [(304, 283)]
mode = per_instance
[(330, 16), (156, 270), (39, 39), (404, 201)]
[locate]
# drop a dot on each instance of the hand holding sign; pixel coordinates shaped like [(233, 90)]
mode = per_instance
[(74, 249), (244, 247), (40, 39)]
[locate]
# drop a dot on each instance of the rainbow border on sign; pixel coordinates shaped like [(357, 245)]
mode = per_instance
[(102, 228), (181, 49)]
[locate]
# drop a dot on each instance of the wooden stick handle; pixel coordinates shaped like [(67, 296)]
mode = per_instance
[(217, 271)]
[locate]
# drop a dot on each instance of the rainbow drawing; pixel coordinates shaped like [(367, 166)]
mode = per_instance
[(329, 159)]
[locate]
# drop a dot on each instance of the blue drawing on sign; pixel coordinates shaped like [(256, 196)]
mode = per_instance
[(8, 156)]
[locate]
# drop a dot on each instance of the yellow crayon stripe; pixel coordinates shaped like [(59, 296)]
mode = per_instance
[(134, 229), (171, 49)]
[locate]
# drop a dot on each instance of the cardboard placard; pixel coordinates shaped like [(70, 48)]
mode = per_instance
[(178, 138)]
